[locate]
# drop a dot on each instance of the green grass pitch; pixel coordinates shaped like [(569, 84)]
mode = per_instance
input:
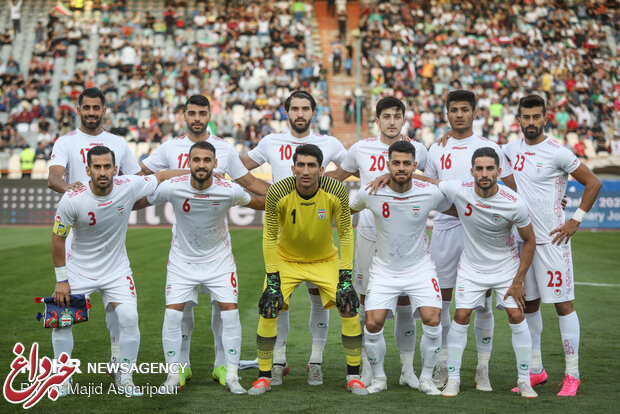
[(27, 272)]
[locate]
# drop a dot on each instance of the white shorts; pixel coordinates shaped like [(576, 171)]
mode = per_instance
[(419, 283), (364, 252), (550, 277), (446, 247), (119, 289), (471, 288), (217, 278)]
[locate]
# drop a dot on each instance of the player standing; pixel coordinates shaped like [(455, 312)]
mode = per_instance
[(201, 256), (490, 260), (277, 150), (402, 264), (369, 158), (99, 213), (453, 162), (298, 246), (174, 153), (541, 167), (67, 169)]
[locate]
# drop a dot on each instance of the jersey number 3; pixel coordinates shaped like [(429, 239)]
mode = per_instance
[(92, 221)]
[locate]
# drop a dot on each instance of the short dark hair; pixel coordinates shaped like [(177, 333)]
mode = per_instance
[(485, 152), (402, 146), (301, 95), (532, 101), (309, 149), (91, 93), (203, 145), (99, 150), (199, 100), (461, 96), (387, 103)]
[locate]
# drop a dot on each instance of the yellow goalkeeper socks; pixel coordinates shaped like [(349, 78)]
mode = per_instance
[(265, 342), (352, 340)]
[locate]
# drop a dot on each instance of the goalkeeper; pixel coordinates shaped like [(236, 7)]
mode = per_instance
[(298, 246)]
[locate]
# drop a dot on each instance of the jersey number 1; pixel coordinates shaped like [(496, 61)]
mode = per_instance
[(293, 214)]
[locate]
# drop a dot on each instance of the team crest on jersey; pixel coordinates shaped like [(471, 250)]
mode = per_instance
[(539, 167), (416, 211), (321, 214), (216, 206), (496, 218), (461, 291), (557, 292), (66, 318), (120, 210)]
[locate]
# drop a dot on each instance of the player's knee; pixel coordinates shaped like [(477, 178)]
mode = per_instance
[(515, 316), (532, 306), (373, 324), (462, 316), (564, 308), (127, 315)]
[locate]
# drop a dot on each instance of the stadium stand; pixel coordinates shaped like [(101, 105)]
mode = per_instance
[(149, 55)]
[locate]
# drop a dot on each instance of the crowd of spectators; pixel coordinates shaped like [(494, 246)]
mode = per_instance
[(420, 50)]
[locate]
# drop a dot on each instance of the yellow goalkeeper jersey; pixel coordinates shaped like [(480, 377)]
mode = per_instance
[(300, 230)]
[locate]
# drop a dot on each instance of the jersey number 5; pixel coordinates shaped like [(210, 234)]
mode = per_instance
[(468, 210)]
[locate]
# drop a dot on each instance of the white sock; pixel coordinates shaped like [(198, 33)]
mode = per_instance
[(187, 326), (62, 341), (374, 343), (483, 327), (430, 343), (216, 328), (522, 345), (129, 339), (445, 329), (404, 333), (231, 338), (535, 325), (457, 341), (171, 336), (569, 328), (279, 352), (111, 321), (319, 327), (365, 364)]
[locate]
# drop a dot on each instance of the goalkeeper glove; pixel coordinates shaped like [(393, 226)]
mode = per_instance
[(345, 294), (272, 296)]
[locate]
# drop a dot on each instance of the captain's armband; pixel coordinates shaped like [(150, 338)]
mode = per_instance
[(60, 229)]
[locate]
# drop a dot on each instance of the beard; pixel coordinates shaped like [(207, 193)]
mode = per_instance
[(201, 180), (101, 186), (531, 133), (92, 125), (300, 129), (490, 184), (199, 130)]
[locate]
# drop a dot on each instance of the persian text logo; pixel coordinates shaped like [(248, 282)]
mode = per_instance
[(43, 377)]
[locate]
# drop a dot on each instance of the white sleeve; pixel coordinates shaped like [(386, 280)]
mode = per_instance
[(259, 153), (128, 164), (59, 154), (65, 213), (429, 167), (157, 160), (566, 161), (240, 196), (360, 201), (450, 188), (143, 185), (503, 163), (349, 163), (421, 153), (339, 151), (236, 169), (441, 202), (521, 215), (161, 194)]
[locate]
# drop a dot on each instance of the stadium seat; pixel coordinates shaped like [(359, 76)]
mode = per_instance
[(15, 167), (40, 169)]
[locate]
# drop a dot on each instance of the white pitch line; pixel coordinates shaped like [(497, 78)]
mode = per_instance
[(597, 284)]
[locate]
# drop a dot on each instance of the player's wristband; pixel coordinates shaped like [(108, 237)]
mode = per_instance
[(61, 274), (579, 215)]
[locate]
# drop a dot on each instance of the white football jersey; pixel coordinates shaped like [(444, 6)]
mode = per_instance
[(370, 158), (174, 154), (489, 245), (99, 225), (277, 150), (401, 222), (70, 151), (201, 231), (541, 173), (453, 162)]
